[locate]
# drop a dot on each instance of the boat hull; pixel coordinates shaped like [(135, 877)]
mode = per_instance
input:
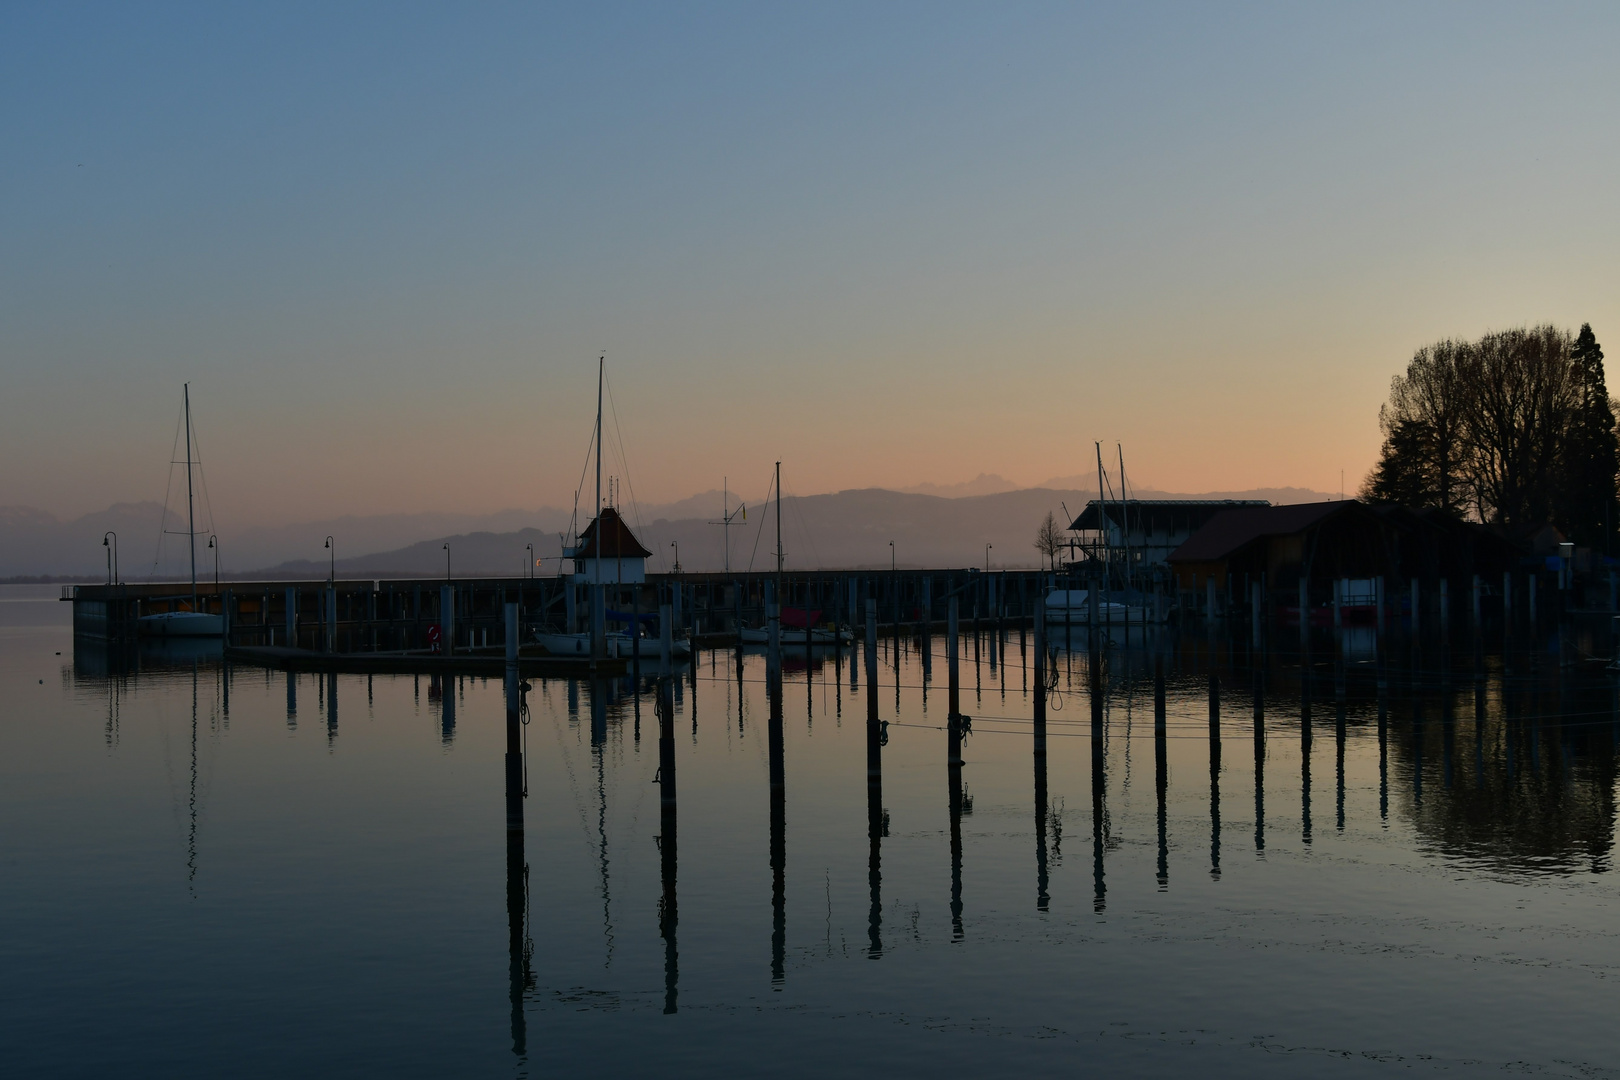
[(181, 624)]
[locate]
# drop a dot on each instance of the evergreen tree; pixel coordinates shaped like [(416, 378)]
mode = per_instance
[(1405, 471), (1586, 509)]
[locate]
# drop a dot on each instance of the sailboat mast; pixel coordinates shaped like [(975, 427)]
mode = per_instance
[(778, 532), (601, 365), (1124, 517), (725, 517), (1102, 520), (191, 513)]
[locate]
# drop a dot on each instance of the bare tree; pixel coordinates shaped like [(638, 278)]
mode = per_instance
[(1049, 539), (1523, 398)]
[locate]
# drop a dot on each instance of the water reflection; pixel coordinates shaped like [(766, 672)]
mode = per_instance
[(1521, 768)]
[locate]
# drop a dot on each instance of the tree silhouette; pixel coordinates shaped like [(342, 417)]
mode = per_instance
[(1049, 539), (1586, 495), (1516, 428)]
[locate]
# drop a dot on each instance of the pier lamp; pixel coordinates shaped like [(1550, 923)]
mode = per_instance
[(447, 562), (676, 545), (987, 548), (530, 563), (112, 556), (331, 574), (892, 566), (213, 545)]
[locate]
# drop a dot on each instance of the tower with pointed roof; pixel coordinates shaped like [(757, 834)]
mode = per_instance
[(608, 553)]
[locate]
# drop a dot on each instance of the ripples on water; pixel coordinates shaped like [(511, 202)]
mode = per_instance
[(213, 870)]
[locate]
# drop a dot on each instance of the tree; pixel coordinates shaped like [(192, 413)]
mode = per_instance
[(1515, 429), (1422, 462), (1049, 539), (1517, 409), (1405, 472), (1585, 501)]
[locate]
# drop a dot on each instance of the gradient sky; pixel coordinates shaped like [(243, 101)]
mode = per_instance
[(886, 243)]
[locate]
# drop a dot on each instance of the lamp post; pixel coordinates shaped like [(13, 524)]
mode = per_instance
[(530, 563), (331, 575), (213, 545), (676, 545), (447, 562), (987, 548), (112, 556)]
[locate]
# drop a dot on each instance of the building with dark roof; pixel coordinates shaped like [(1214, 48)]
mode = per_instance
[(1326, 542), (1150, 529), (608, 553)]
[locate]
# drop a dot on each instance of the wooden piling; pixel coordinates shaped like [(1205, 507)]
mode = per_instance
[(953, 723)]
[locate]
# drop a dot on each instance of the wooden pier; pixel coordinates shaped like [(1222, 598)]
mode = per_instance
[(460, 617)]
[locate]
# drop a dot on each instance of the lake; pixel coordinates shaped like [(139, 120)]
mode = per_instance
[(1404, 868)]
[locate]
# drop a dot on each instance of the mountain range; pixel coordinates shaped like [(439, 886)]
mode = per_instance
[(843, 529)]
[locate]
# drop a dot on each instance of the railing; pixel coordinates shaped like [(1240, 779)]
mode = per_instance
[(69, 592)]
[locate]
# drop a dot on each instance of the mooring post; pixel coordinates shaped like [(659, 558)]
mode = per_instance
[(1532, 584), (291, 611), (1378, 598), (1445, 605), (514, 727), (1254, 613), (1304, 608), (1416, 600), (1475, 599), (773, 616), (953, 723), (666, 636), (1507, 598), (447, 617), (1209, 598), (1040, 674), (1338, 602), (871, 661)]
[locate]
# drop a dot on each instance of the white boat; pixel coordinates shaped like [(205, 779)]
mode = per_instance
[(191, 622), (1074, 606), (579, 644), (182, 624)]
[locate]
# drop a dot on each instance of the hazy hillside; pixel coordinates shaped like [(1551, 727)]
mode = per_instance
[(844, 529)]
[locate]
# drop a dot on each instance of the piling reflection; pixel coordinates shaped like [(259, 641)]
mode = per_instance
[(778, 797), (668, 910), (331, 708), (520, 946), (1099, 786), (1259, 758), (1161, 773), (1214, 777)]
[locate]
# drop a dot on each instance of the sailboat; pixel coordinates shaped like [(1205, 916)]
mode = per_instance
[(606, 553), (188, 623), (799, 620)]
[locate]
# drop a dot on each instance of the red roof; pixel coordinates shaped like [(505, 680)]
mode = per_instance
[(1231, 530), (618, 542)]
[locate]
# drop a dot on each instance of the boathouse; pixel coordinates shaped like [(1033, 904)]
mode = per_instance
[(1278, 545), (1150, 529), (608, 553)]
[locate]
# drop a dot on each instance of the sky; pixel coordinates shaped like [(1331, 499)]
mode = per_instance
[(885, 243)]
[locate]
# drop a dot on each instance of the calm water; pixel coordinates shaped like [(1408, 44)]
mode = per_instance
[(225, 871)]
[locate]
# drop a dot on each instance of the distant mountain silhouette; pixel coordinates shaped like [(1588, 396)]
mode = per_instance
[(848, 529), (843, 529)]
